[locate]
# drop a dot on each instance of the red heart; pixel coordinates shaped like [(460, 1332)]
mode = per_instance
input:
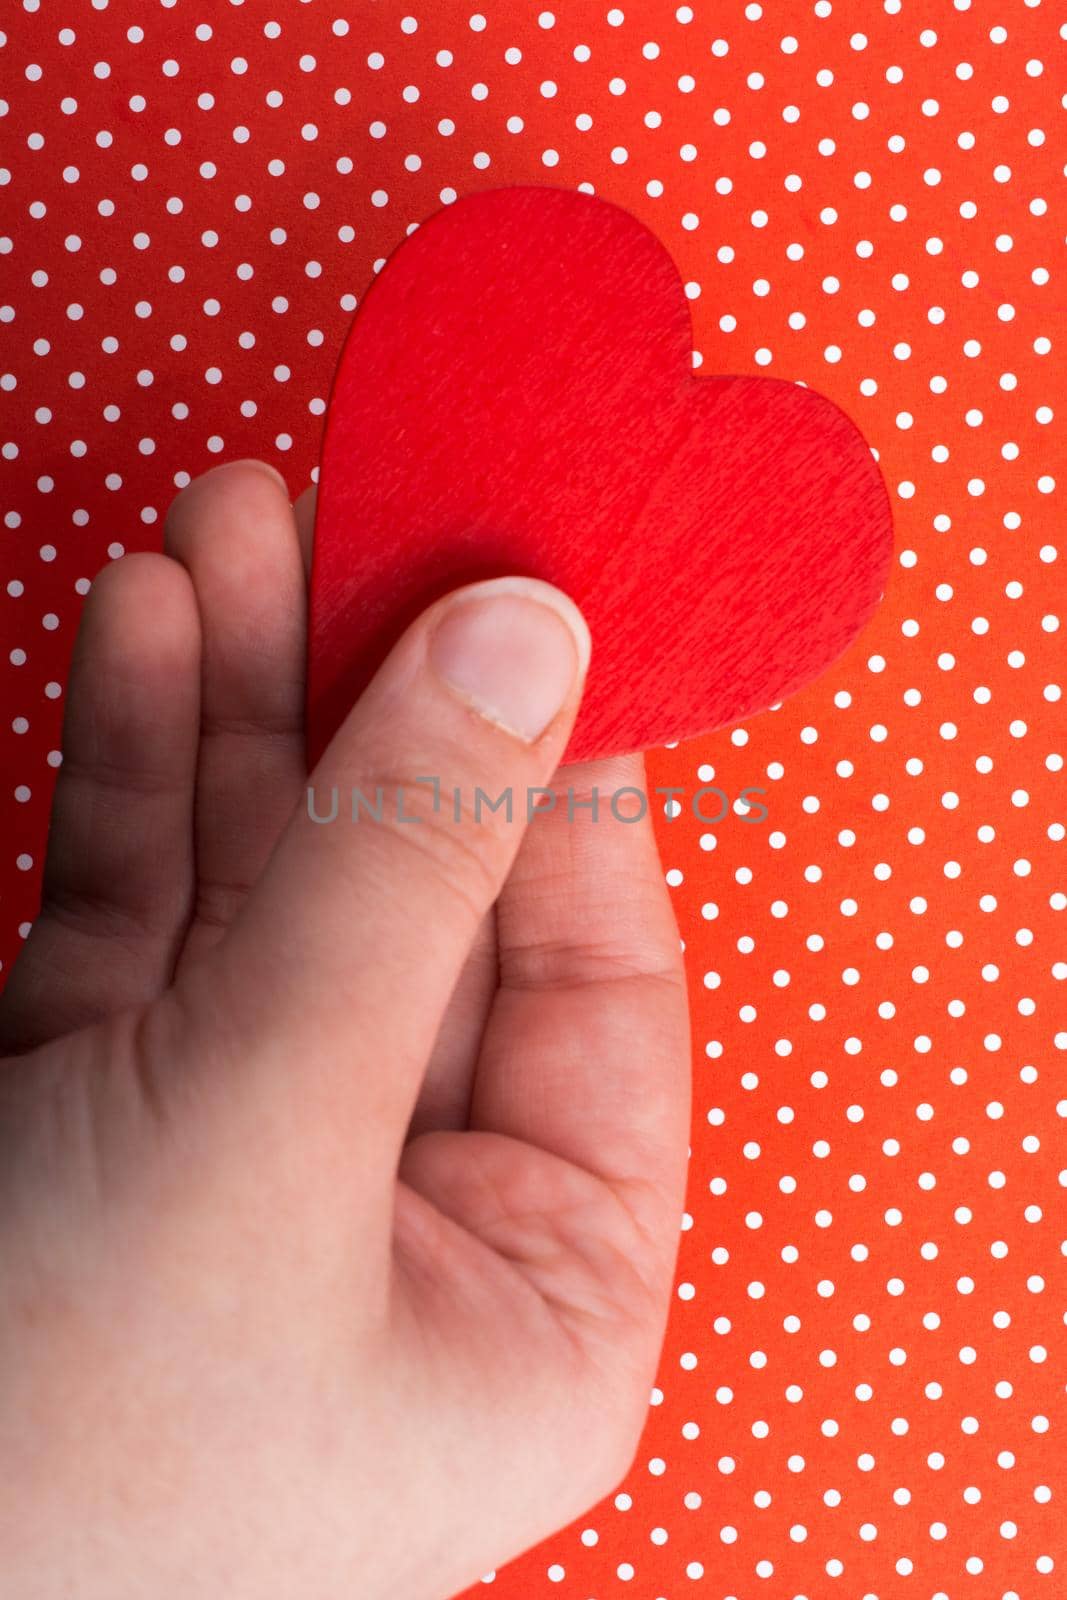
[(516, 395)]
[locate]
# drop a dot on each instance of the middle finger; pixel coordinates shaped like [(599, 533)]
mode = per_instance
[(233, 529)]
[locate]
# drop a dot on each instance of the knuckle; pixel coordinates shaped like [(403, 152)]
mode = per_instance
[(265, 724), (218, 901), (444, 837), (552, 963), (104, 776), (83, 910)]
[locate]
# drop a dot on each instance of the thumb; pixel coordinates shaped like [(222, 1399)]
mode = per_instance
[(333, 979)]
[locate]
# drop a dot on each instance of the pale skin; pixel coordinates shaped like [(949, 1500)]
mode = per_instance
[(341, 1167)]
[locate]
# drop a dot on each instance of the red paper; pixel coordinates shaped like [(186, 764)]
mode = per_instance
[(516, 395)]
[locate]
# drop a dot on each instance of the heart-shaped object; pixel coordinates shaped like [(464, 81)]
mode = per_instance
[(516, 395)]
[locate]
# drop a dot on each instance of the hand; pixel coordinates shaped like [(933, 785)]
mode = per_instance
[(341, 1165)]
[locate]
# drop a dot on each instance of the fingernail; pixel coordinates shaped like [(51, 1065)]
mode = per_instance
[(511, 648)]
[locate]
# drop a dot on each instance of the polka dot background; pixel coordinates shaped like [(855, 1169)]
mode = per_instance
[(861, 1390)]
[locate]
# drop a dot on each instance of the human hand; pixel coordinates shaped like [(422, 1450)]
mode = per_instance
[(341, 1167)]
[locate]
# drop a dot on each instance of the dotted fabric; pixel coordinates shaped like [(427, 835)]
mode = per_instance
[(861, 1391)]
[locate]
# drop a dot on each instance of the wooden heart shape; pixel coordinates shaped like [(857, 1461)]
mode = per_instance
[(516, 395)]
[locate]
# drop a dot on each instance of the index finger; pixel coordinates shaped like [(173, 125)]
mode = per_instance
[(332, 980)]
